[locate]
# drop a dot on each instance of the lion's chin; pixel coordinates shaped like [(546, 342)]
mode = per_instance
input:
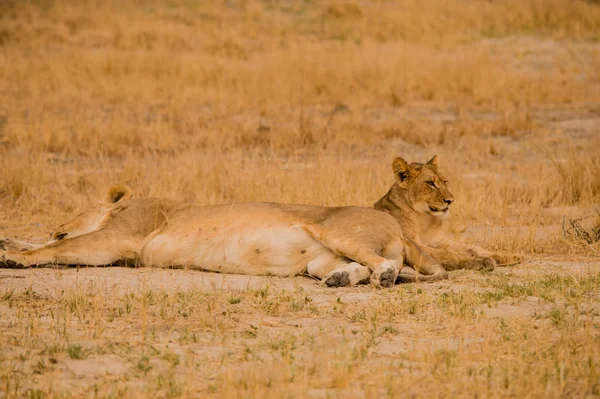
[(439, 213)]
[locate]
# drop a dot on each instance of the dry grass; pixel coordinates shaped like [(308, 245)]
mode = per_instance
[(300, 101)]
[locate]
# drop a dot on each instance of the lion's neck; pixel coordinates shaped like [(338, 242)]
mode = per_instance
[(414, 224)]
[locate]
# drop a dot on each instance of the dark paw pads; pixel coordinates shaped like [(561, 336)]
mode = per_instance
[(388, 278), (338, 279), (10, 264)]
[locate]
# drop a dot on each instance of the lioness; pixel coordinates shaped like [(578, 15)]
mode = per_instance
[(341, 246), (420, 200)]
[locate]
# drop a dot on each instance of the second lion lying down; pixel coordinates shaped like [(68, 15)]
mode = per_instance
[(341, 246)]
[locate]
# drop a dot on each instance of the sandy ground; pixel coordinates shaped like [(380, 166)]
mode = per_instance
[(101, 353), (122, 280)]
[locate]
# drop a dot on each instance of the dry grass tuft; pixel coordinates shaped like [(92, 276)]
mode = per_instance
[(580, 178)]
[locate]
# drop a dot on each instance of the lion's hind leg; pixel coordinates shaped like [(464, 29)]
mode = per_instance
[(336, 271), (363, 251), (95, 249), (351, 274), (15, 245)]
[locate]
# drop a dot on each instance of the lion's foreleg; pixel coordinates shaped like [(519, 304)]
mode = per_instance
[(455, 258), (427, 268), (15, 245), (501, 258)]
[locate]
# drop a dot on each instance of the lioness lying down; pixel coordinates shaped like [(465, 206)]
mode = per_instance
[(341, 246)]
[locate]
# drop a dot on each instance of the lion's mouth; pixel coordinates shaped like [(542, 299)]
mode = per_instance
[(434, 209)]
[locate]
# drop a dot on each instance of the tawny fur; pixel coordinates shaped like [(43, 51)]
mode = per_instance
[(333, 244), (341, 246), (419, 200)]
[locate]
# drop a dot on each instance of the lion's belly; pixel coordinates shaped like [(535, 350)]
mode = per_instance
[(264, 247)]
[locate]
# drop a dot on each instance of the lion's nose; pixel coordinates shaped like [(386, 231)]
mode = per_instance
[(449, 201)]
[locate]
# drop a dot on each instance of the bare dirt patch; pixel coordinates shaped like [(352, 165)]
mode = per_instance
[(128, 331)]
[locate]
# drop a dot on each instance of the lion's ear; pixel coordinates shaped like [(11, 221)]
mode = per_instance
[(116, 193), (433, 161), (402, 170)]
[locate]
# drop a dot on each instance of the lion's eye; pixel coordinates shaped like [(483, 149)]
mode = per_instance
[(430, 183), (445, 181)]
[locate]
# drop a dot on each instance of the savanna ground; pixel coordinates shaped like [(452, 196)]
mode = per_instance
[(304, 102)]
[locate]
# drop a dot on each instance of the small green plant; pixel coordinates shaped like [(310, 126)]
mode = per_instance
[(389, 329), (172, 358), (412, 306), (556, 316), (144, 364), (77, 352), (262, 292)]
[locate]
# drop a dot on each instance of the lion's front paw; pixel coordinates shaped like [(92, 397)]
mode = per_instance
[(481, 264), (384, 274), (507, 259)]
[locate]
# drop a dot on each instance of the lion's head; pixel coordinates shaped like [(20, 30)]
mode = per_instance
[(424, 185)]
